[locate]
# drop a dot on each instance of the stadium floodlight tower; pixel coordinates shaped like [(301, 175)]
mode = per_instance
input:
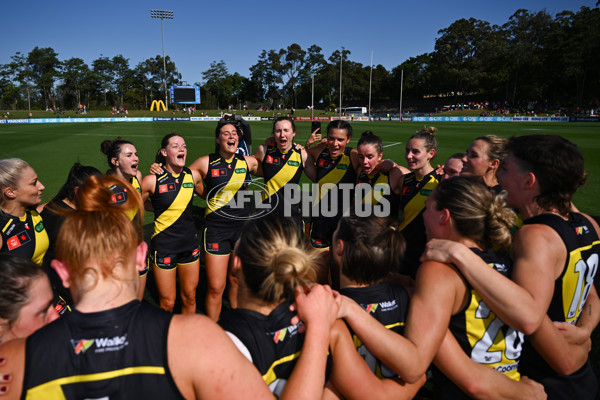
[(163, 14)]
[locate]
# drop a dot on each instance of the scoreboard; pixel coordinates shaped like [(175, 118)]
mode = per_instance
[(185, 94)]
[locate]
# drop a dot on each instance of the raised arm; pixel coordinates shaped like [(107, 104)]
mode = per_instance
[(259, 155), (309, 165)]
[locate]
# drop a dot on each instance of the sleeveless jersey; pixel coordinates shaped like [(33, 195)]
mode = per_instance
[(388, 304), (412, 203), (25, 236), (280, 169), (114, 354), (482, 335), (227, 182), (174, 227), (273, 343), (373, 187), (334, 172), (136, 184), (571, 290)]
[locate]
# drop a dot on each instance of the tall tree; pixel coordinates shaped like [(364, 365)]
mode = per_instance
[(75, 77), (292, 68), (45, 67), (266, 76), (103, 75), (214, 79)]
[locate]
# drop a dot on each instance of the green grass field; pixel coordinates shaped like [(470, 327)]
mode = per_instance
[(53, 148)]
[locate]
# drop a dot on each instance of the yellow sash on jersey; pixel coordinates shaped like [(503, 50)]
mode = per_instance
[(177, 207), (417, 203), (334, 176), (224, 195), (369, 198), (53, 389), (283, 176), (136, 184)]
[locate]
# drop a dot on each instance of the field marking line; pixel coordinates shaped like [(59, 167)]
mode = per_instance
[(392, 144)]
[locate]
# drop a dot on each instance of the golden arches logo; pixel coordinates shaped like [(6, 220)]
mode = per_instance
[(159, 104)]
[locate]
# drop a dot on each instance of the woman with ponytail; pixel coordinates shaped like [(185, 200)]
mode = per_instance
[(114, 344), (465, 210), (271, 262)]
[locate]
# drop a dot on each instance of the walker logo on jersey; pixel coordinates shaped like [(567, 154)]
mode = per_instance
[(81, 346), (341, 166), (581, 230), (240, 170), (102, 345), (18, 240), (188, 185), (371, 308), (168, 187), (293, 163), (279, 335), (425, 192), (39, 227)]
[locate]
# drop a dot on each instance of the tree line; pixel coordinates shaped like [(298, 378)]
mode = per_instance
[(532, 58)]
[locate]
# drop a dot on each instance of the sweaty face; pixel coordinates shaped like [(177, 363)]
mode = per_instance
[(477, 161), (128, 160), (37, 312), (176, 151), (337, 139), (29, 188), (284, 133), (417, 155), (228, 139), (368, 157)]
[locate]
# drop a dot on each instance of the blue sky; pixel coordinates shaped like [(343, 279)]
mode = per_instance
[(237, 31)]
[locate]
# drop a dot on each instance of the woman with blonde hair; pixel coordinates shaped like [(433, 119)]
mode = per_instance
[(271, 262), (464, 210), (483, 158), (113, 343), (20, 197)]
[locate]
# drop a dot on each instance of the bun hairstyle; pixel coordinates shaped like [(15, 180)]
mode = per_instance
[(112, 149), (16, 275), (98, 238), (368, 137), (275, 258), (373, 247), (160, 159), (427, 134), (10, 174), (477, 211)]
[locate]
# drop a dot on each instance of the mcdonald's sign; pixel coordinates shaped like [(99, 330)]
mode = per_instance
[(159, 104)]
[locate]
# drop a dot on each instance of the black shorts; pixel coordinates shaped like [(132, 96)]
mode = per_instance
[(220, 242), (321, 232), (169, 261)]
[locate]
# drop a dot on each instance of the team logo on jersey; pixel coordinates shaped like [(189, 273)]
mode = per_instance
[(18, 240), (405, 190), (271, 160), (293, 163), (188, 185), (39, 227), (371, 308), (323, 163), (81, 346), (168, 187), (279, 335), (581, 230)]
